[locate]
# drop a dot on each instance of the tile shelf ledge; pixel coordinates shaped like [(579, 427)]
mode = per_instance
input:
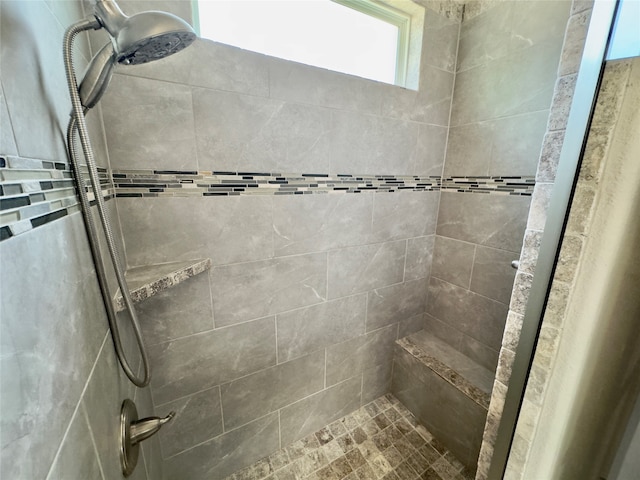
[(149, 280), (473, 380)]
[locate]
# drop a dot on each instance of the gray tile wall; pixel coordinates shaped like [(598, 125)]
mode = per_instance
[(246, 111), (508, 56), (507, 61), (295, 324), (241, 111), (306, 336), (61, 386), (295, 282), (573, 44), (476, 239)]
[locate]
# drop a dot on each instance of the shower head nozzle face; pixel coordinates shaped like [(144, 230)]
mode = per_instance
[(145, 36), (154, 48)]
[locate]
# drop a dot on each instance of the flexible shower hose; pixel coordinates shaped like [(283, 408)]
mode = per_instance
[(78, 123)]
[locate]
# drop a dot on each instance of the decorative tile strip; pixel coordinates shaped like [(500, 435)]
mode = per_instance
[(500, 185), (446, 372), (35, 192), (141, 183), (172, 183), (149, 280)]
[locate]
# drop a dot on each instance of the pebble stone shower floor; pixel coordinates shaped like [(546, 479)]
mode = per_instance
[(380, 441)]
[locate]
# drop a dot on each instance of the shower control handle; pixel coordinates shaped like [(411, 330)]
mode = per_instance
[(133, 431), (146, 427)]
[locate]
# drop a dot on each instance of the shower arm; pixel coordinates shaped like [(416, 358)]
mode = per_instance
[(77, 123)]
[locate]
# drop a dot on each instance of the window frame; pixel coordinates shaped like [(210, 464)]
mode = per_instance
[(378, 10), (398, 18)]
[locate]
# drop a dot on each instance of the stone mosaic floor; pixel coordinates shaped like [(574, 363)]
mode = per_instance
[(381, 440)]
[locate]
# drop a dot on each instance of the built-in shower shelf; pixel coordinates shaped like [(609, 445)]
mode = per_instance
[(470, 378), (149, 280)]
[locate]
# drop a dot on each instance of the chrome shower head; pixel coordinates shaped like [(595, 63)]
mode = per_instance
[(137, 39), (150, 36), (145, 36)]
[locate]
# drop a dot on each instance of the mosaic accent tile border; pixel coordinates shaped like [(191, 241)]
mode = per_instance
[(381, 440), (522, 186), (35, 192), (142, 183)]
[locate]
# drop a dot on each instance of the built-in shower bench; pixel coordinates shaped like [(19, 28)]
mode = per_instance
[(446, 390), (149, 280)]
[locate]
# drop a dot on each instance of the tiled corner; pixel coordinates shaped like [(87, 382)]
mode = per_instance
[(440, 40), (353, 356), (381, 440), (311, 413), (395, 303), (475, 315), (419, 258), (492, 222), (453, 260)]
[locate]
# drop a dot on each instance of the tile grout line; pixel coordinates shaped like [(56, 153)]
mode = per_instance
[(93, 441), (77, 407)]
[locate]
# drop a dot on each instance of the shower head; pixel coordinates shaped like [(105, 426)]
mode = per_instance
[(145, 36), (137, 39)]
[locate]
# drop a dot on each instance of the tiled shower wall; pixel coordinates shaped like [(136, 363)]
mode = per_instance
[(296, 271), (506, 69), (571, 54), (507, 61), (61, 387), (295, 324), (378, 246)]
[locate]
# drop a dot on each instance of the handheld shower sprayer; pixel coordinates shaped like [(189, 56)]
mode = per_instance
[(141, 38), (137, 39)]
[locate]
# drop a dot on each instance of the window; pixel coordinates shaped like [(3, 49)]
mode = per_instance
[(358, 37)]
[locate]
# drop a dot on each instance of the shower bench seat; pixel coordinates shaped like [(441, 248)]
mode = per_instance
[(447, 391), (149, 280)]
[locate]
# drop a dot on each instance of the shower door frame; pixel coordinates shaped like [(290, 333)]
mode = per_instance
[(582, 106)]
